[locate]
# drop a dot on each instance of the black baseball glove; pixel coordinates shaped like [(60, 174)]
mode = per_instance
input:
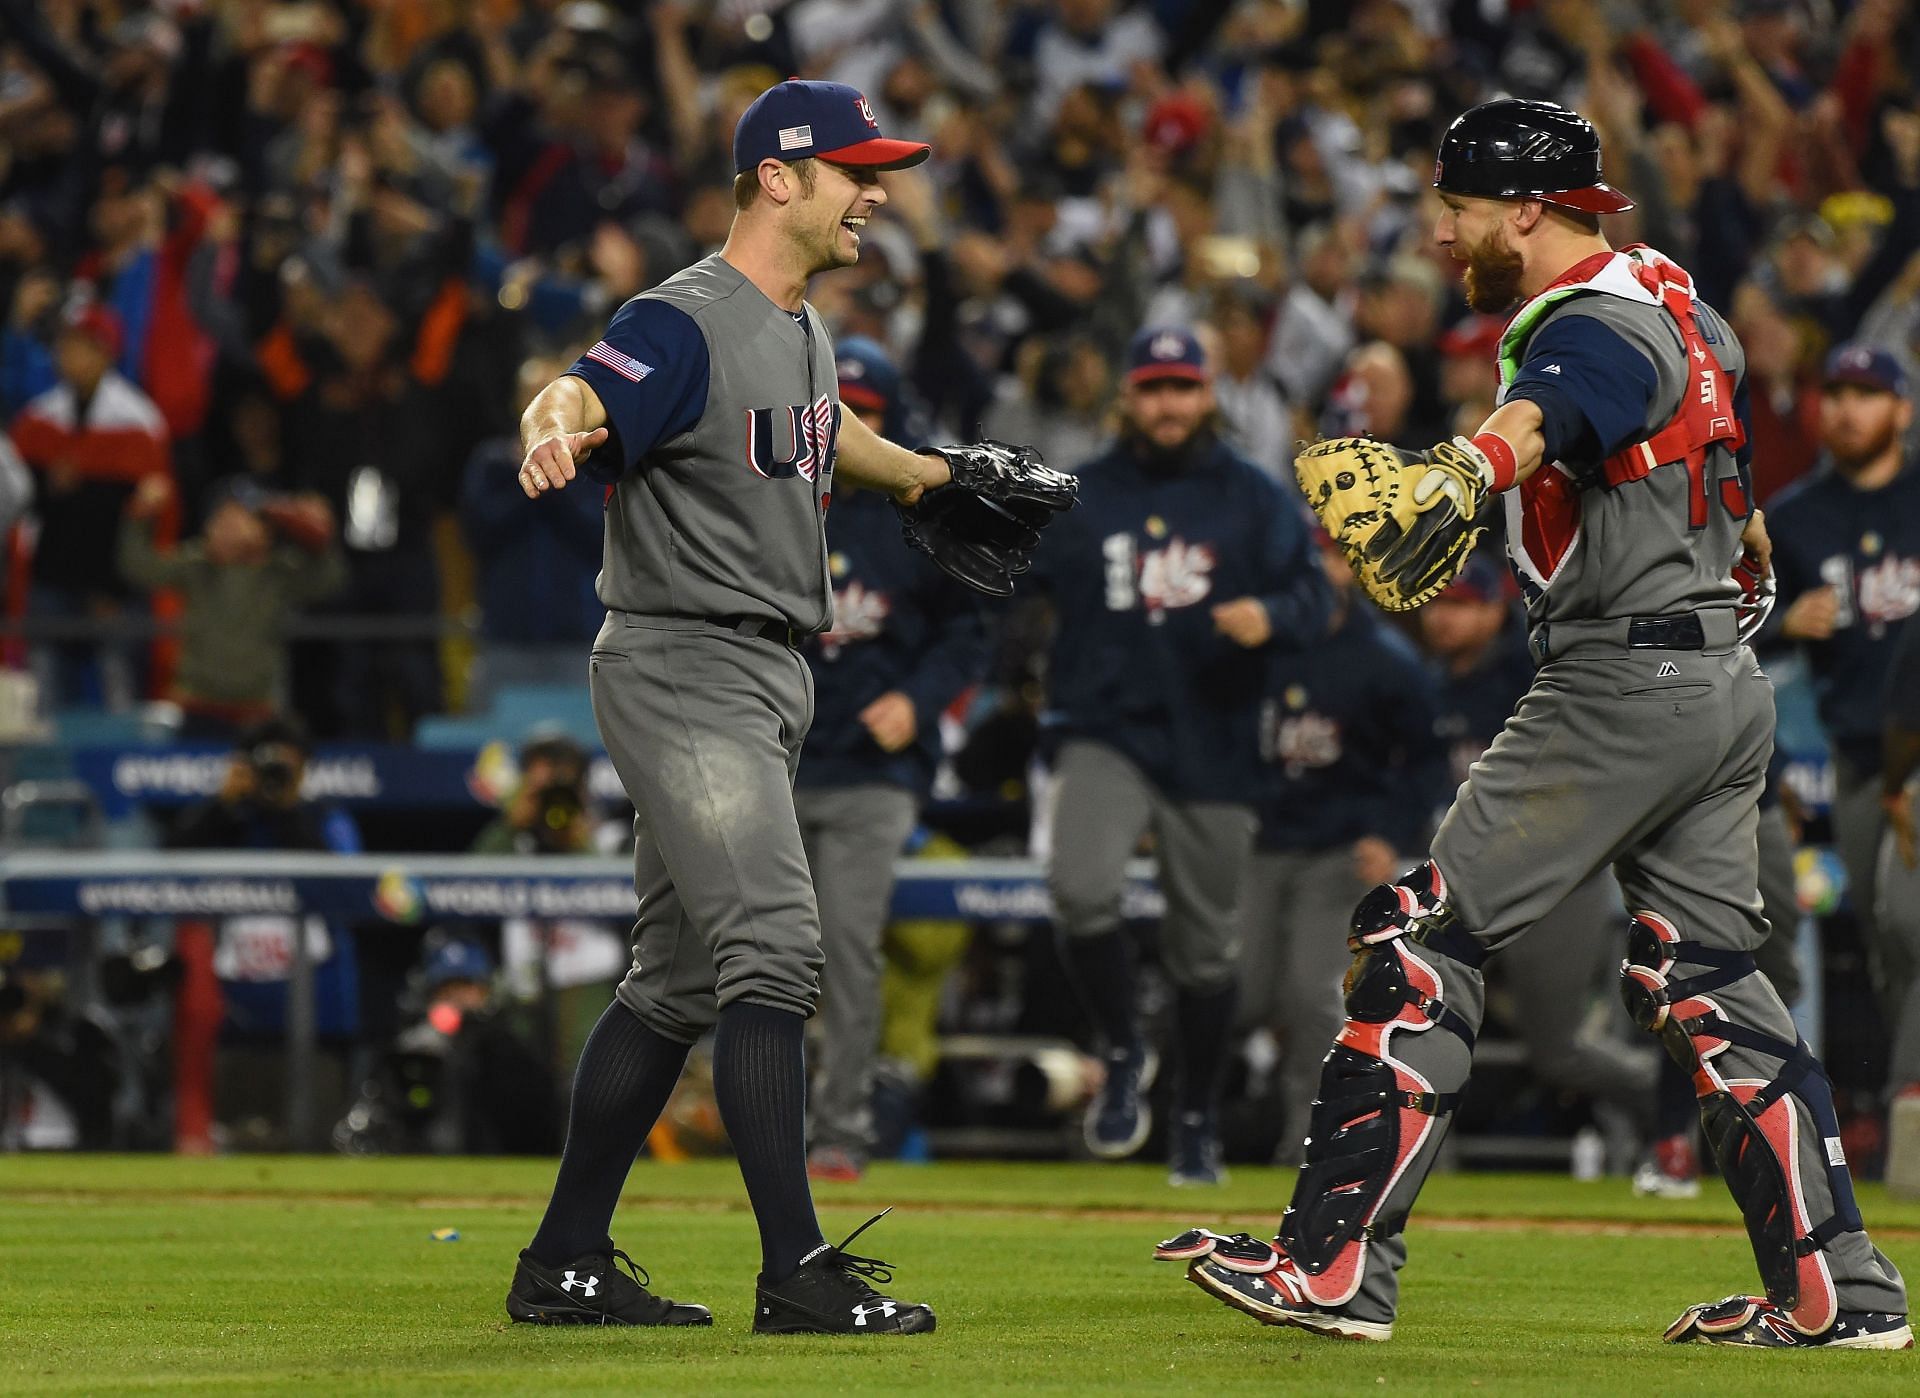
[(983, 527)]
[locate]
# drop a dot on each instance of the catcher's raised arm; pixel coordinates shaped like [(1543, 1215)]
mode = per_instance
[(1407, 523)]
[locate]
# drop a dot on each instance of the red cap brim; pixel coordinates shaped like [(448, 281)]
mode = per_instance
[(1148, 373), (860, 396), (1600, 199), (881, 153)]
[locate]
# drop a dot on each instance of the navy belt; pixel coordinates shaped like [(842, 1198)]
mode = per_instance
[(764, 628), (1682, 632)]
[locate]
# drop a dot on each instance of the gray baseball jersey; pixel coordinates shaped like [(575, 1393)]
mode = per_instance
[(727, 411)]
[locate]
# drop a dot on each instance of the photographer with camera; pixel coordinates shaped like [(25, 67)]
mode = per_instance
[(458, 1078), (261, 806), (260, 557), (571, 963)]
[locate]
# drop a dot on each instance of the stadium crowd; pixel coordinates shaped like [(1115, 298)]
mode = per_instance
[(278, 278)]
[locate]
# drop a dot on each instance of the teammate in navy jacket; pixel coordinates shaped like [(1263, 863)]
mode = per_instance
[(1183, 563), (906, 640), (1847, 552), (1353, 772)]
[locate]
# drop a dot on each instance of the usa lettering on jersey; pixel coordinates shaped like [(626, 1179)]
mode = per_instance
[(812, 433)]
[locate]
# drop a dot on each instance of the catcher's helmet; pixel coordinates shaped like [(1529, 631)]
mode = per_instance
[(1511, 148)]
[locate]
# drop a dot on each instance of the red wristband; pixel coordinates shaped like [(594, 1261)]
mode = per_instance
[(1499, 453)]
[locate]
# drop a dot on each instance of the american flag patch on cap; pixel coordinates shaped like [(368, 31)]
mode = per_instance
[(625, 365), (794, 137)]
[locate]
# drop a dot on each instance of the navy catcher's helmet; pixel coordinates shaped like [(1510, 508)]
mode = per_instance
[(1511, 148)]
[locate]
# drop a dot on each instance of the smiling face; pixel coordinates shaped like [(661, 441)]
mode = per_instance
[(1474, 231), (826, 221)]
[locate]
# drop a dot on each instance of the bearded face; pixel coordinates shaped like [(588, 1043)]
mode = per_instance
[(1494, 270)]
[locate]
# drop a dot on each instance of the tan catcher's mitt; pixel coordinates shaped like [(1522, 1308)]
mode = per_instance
[(1405, 523)]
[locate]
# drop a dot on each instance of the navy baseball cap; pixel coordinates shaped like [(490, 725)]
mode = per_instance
[(1867, 366), (868, 378), (828, 121), (458, 961), (1165, 352)]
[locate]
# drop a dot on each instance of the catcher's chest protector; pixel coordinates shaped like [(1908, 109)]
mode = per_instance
[(1706, 413), (1621, 536)]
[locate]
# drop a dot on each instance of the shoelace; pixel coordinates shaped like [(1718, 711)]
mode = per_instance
[(871, 1268), (634, 1269)]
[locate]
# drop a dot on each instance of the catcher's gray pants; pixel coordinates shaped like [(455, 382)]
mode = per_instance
[(1294, 909), (704, 726), (1886, 898), (1103, 804), (853, 835), (1607, 761)]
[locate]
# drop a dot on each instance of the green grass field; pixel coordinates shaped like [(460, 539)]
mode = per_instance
[(258, 1275)]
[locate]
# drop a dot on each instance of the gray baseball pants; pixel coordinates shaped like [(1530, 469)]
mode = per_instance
[(852, 836), (1103, 804), (704, 726), (1650, 761)]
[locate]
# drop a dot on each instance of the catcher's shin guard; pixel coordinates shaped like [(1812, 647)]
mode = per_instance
[(1751, 1123), (1374, 1111)]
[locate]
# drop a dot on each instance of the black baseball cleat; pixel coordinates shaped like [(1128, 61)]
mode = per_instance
[(831, 1294), (1276, 1296), (1757, 1323), (592, 1291)]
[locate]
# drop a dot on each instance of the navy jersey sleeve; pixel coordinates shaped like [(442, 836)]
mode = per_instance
[(1592, 387), (1903, 678), (650, 372)]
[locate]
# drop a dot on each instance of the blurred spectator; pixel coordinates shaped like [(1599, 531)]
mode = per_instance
[(374, 442), (1059, 403), (1255, 417), (261, 805), (259, 559), (1899, 905), (89, 439), (1847, 553), (1180, 572), (1783, 391), (1316, 319), (1374, 397), (907, 641), (1095, 42), (538, 608)]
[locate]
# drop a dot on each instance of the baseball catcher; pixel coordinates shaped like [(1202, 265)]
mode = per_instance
[(984, 526)]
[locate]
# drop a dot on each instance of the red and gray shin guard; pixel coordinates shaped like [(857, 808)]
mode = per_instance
[(1375, 1112), (1752, 1124)]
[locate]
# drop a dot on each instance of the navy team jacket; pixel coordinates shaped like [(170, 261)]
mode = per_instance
[(898, 623), (1866, 543), (1134, 572), (1348, 734)]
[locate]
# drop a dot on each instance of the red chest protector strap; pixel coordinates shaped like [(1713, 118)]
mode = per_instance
[(1706, 414)]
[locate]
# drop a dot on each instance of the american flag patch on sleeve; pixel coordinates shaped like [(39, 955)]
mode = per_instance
[(625, 365)]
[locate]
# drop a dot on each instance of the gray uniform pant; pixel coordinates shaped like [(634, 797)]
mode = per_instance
[(852, 836), (1610, 762), (1103, 804), (704, 726), (1294, 909), (1886, 898)]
